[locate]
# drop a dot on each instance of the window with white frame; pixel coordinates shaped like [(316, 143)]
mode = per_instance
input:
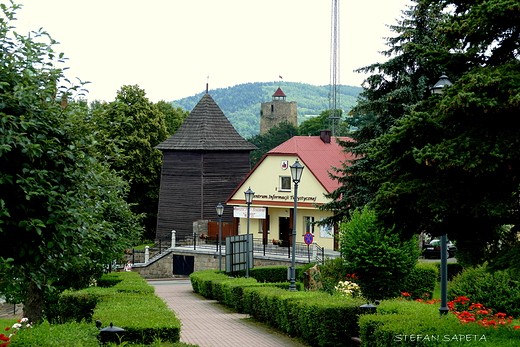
[(309, 227), (285, 183)]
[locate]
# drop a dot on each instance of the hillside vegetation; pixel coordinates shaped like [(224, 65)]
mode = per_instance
[(241, 103)]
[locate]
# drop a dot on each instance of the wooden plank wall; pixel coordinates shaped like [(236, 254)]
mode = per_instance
[(193, 183)]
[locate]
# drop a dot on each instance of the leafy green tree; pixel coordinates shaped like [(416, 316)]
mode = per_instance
[(274, 137), (63, 216), (174, 116), (379, 257), (314, 125), (128, 130)]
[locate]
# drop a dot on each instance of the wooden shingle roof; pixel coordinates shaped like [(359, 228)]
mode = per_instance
[(208, 129)]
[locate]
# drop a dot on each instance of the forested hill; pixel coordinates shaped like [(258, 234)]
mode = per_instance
[(241, 103)]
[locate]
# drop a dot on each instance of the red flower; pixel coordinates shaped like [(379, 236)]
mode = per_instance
[(405, 294), (516, 327)]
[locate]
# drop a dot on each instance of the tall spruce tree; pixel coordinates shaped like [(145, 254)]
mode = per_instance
[(443, 163), (393, 88), (452, 164)]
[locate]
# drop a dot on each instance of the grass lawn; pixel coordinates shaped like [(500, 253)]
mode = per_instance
[(4, 323), (143, 246)]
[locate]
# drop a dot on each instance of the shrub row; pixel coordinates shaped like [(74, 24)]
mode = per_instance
[(316, 317), (130, 303), (410, 323), (421, 281), (497, 290)]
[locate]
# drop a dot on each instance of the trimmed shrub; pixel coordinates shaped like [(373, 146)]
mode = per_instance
[(71, 307), (496, 290), (421, 281), (47, 335), (109, 280), (409, 323), (378, 256), (453, 269), (274, 274), (144, 317), (317, 317)]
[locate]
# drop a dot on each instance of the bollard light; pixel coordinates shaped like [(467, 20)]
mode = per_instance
[(110, 334)]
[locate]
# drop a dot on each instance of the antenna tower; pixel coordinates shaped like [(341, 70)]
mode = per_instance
[(334, 94)]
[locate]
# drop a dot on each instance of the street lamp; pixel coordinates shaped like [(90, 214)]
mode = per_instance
[(220, 211), (444, 275), (438, 88), (441, 83), (296, 173), (249, 199)]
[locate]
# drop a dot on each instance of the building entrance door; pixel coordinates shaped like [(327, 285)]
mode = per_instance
[(284, 225)]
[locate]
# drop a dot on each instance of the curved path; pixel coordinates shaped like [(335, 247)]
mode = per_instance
[(208, 324)]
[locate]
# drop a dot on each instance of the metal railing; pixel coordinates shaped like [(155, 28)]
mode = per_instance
[(303, 251)]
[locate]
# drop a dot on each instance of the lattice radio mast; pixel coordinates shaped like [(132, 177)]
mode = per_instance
[(334, 93)]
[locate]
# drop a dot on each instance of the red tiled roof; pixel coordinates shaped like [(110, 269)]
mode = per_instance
[(317, 156), (279, 93)]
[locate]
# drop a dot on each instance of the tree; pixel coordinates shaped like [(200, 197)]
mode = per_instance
[(449, 164), (453, 164), (380, 259), (128, 130), (62, 212), (174, 116), (274, 137), (314, 125), (394, 87)]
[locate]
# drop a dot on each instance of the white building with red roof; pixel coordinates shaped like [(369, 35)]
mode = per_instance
[(271, 181)]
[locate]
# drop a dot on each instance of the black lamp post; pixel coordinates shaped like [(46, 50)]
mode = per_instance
[(444, 275), (296, 173), (249, 199), (438, 89), (220, 212)]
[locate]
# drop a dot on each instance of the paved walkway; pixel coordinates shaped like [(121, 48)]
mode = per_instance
[(208, 324)]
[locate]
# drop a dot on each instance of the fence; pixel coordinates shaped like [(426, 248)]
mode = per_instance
[(302, 250)]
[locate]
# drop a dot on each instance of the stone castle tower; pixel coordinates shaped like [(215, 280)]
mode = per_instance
[(278, 110)]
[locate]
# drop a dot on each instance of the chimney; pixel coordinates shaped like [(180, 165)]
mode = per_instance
[(325, 136)]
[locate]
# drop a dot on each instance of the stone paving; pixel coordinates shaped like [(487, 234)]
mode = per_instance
[(208, 324)]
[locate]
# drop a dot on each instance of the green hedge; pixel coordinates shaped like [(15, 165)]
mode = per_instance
[(317, 317), (421, 281), (409, 323), (144, 317), (453, 269), (57, 335), (71, 307), (126, 300), (497, 290)]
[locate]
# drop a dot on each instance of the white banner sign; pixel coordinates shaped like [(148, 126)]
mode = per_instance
[(254, 212)]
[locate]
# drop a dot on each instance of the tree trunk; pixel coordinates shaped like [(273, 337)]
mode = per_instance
[(33, 306)]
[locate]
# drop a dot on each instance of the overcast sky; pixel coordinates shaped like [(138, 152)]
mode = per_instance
[(169, 47)]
